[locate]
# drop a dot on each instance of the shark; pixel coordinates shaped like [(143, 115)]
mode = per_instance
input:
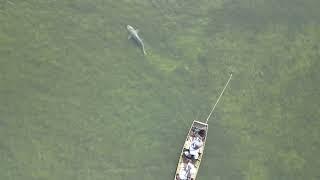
[(133, 33)]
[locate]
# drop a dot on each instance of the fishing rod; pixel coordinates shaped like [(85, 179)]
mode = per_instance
[(219, 98)]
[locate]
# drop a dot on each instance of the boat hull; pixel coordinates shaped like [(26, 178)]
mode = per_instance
[(196, 125)]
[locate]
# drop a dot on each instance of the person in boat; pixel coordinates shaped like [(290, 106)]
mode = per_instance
[(197, 142), (187, 171)]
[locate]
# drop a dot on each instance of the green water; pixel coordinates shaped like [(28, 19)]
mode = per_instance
[(78, 100)]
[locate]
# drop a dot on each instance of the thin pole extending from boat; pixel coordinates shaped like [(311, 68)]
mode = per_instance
[(219, 98)]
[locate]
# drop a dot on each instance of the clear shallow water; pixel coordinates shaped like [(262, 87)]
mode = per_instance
[(80, 101)]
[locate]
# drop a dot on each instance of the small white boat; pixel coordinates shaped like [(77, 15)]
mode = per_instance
[(195, 128), (193, 148)]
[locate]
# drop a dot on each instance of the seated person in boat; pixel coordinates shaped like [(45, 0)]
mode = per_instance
[(197, 142), (187, 171), (194, 149)]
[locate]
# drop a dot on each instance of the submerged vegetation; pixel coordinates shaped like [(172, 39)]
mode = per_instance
[(80, 101)]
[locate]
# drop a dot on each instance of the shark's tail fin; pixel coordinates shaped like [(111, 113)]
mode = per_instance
[(143, 50)]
